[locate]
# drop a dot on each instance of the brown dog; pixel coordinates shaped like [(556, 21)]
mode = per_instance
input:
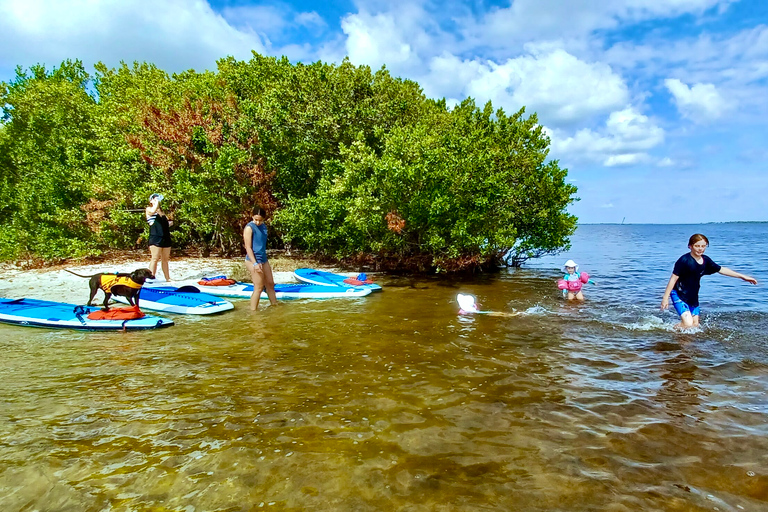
[(125, 285)]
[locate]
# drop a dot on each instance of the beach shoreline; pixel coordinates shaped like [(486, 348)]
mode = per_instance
[(56, 284)]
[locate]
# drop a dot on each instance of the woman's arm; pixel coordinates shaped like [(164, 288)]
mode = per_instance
[(731, 273), (671, 284), (152, 209)]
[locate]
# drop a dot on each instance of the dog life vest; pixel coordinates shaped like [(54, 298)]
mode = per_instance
[(108, 281)]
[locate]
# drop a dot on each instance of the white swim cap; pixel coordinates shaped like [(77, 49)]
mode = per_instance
[(467, 303)]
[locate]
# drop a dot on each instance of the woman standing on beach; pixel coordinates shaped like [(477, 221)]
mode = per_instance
[(255, 240), (683, 286), (159, 236)]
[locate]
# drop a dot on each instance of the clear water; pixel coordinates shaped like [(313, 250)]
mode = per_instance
[(395, 402)]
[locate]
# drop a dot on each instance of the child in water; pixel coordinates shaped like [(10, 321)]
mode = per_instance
[(468, 305), (572, 281), (683, 285)]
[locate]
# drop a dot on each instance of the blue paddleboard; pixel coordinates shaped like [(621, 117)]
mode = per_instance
[(323, 278), (184, 301), (44, 313), (282, 291)]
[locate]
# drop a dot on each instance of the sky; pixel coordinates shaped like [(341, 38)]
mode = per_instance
[(657, 108)]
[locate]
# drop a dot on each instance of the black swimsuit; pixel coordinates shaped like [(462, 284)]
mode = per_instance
[(159, 230)]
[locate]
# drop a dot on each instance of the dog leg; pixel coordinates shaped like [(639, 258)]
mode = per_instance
[(90, 299)]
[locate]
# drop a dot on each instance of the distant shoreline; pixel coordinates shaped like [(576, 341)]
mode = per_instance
[(670, 223)]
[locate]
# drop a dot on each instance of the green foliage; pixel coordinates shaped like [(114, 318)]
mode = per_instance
[(354, 164), (456, 190), (305, 114), (49, 153)]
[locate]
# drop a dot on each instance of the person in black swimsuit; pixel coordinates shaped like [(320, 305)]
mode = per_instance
[(159, 235)]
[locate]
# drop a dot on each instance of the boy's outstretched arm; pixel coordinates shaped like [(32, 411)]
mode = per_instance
[(732, 273)]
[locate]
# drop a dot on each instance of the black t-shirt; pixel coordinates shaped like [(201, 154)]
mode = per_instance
[(689, 273)]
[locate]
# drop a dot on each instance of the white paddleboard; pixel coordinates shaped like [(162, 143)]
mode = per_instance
[(183, 301)]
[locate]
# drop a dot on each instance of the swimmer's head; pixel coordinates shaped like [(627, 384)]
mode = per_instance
[(467, 303), (570, 266), (259, 215), (698, 237)]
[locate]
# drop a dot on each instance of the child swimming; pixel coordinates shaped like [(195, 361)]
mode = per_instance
[(683, 285), (572, 281), (468, 305)]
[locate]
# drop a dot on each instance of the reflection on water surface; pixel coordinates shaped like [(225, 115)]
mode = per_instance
[(391, 402)]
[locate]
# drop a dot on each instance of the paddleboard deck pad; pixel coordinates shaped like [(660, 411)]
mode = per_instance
[(60, 315), (323, 278), (184, 301)]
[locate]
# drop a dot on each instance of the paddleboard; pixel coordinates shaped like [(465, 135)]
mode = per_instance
[(323, 278), (282, 291), (44, 313), (184, 301)]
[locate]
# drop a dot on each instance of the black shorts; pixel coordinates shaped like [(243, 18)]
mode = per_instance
[(159, 242)]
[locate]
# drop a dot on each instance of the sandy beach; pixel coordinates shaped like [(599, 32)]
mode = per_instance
[(57, 284)]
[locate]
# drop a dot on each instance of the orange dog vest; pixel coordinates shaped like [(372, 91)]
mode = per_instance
[(108, 281)]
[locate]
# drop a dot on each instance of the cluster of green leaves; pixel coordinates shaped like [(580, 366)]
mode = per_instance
[(48, 150), (353, 164), (454, 190)]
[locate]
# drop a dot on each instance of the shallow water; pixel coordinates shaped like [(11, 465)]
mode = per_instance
[(395, 402)]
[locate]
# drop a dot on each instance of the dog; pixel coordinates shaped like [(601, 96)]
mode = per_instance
[(125, 285)]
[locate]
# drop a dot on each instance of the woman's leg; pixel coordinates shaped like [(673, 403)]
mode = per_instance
[(165, 257), (155, 254), (269, 283), (258, 284)]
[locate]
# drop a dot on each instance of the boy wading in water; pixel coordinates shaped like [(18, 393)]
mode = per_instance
[(683, 286)]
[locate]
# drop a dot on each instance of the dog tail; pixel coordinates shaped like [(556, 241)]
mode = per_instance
[(78, 275)]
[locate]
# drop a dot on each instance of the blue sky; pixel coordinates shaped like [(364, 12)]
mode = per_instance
[(658, 108)]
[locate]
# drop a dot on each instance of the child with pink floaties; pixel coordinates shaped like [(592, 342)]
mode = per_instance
[(573, 281)]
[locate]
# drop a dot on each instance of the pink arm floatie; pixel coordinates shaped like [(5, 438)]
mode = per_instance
[(584, 277)]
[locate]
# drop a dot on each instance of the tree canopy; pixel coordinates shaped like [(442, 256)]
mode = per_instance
[(353, 165)]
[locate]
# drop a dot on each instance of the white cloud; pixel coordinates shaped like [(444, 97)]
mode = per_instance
[(310, 19), (376, 41), (625, 140), (173, 34), (559, 87), (626, 159), (665, 162), (271, 20), (700, 103), (544, 78), (526, 20), (259, 18), (400, 38), (735, 64)]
